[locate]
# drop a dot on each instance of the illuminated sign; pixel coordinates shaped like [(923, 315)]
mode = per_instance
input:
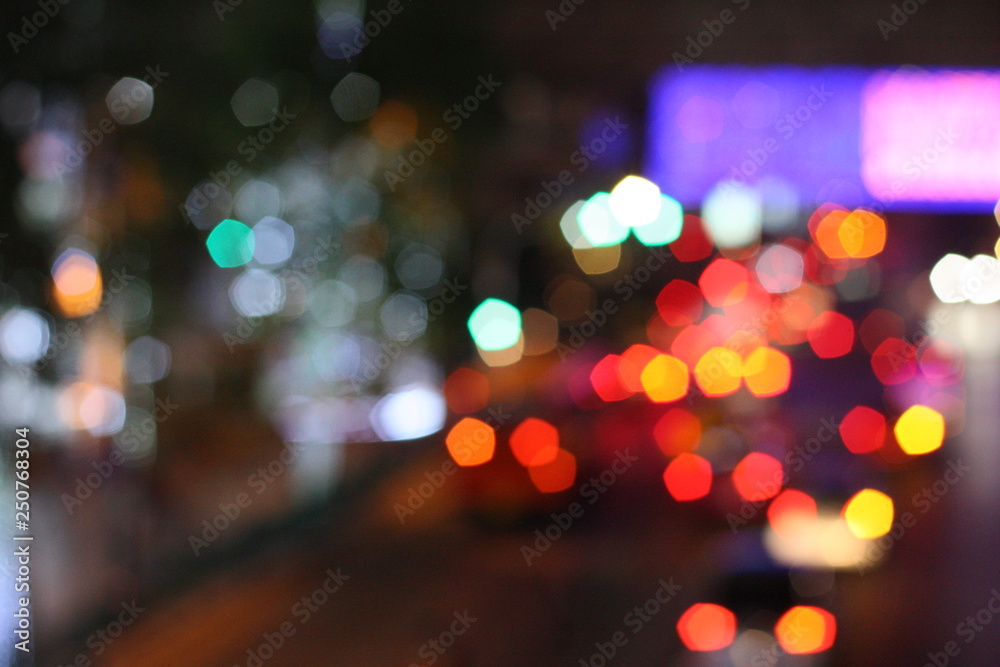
[(904, 139)]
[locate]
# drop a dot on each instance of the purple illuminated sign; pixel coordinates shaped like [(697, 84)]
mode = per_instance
[(907, 139)]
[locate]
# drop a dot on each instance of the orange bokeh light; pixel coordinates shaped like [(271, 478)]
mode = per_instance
[(677, 431), (827, 234), (534, 442), (76, 284), (707, 627), (806, 630), (862, 234), (692, 342), (718, 372), (631, 363), (556, 475), (767, 372), (471, 442)]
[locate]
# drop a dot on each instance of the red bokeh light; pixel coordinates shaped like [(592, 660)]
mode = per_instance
[(679, 303), (831, 335), (688, 477), (693, 243), (863, 430)]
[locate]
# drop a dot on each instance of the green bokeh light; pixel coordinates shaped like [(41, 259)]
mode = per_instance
[(666, 228), (495, 325), (230, 244)]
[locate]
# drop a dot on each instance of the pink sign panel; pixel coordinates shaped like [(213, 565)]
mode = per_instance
[(931, 136)]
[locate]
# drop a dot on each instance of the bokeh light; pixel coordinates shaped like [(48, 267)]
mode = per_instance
[(718, 372), (677, 431), (790, 511), (471, 442), (665, 378), (724, 282), (863, 430), (534, 442), (556, 475), (919, 430), (758, 477), (803, 630), (466, 391), (733, 215), (707, 627), (635, 201), (679, 303), (77, 284), (598, 224), (831, 335), (230, 244), (688, 477), (767, 372), (495, 325), (869, 514), (665, 228)]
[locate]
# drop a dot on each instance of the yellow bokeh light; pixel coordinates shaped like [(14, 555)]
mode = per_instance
[(919, 430), (767, 372), (869, 514), (665, 378), (718, 372)]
